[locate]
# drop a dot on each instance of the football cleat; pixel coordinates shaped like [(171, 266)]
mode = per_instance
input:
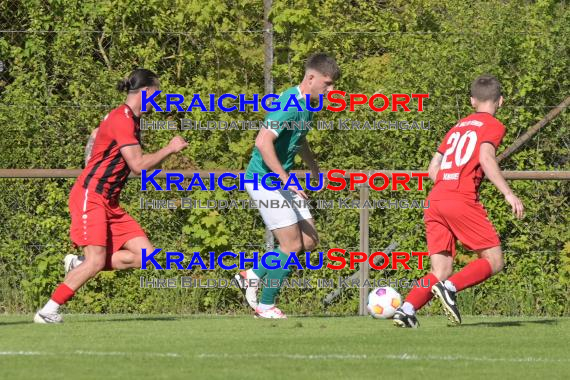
[(402, 319), (71, 262), (249, 288), (271, 313), (448, 300), (47, 318)]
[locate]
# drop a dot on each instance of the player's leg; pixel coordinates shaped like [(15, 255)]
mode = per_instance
[(274, 219), (469, 222), (447, 297), (127, 240), (489, 263), (309, 235), (289, 239), (298, 236), (71, 262), (441, 268), (495, 257), (89, 229), (441, 246), (302, 236), (94, 262), (130, 256)]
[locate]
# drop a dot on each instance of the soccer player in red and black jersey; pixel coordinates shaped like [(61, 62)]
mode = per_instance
[(111, 239), (466, 154)]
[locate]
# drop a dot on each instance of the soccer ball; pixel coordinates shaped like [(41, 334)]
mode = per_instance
[(383, 302)]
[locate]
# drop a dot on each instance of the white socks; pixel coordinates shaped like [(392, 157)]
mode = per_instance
[(51, 307), (408, 308)]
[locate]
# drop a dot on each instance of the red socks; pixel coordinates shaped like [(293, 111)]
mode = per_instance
[(472, 274), (62, 294), (419, 295)]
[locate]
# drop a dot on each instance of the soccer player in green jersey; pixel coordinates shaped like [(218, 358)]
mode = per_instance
[(274, 152)]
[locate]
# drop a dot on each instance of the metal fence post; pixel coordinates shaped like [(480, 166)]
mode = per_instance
[(268, 82), (364, 247), (269, 240)]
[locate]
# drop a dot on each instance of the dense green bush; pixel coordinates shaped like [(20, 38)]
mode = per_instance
[(59, 82)]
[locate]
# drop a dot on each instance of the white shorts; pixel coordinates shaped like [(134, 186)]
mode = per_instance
[(293, 211)]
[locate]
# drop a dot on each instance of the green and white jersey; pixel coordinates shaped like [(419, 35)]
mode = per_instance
[(289, 135)]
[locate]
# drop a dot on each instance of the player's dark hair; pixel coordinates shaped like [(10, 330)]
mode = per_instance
[(324, 64), (486, 87), (138, 79)]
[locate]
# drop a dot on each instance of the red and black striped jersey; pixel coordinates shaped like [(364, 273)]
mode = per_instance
[(107, 171)]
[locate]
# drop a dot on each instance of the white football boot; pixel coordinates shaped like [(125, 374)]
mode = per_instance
[(47, 318), (271, 313), (71, 262), (249, 288)]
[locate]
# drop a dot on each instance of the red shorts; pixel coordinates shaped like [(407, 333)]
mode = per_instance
[(97, 221), (450, 220)]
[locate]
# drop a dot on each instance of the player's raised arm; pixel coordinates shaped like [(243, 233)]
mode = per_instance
[(493, 172), (138, 161), (434, 166)]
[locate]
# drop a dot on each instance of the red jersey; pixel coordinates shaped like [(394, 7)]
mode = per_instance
[(460, 173), (107, 170)]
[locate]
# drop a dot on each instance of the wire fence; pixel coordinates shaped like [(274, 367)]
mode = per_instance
[(36, 223), (73, 72)]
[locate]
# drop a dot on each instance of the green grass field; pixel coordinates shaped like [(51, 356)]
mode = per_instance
[(187, 347)]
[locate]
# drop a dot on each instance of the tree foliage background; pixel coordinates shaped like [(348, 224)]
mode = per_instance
[(62, 59)]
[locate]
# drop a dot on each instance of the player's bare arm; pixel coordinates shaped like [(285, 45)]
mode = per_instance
[(89, 146), (308, 158), (138, 161), (434, 165), (493, 172), (265, 141)]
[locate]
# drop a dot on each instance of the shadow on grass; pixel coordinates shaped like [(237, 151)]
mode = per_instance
[(134, 318), (101, 320), (15, 323), (324, 316), (510, 323)]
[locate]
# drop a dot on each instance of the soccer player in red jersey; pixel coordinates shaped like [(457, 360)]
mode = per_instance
[(110, 238), (466, 154)]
